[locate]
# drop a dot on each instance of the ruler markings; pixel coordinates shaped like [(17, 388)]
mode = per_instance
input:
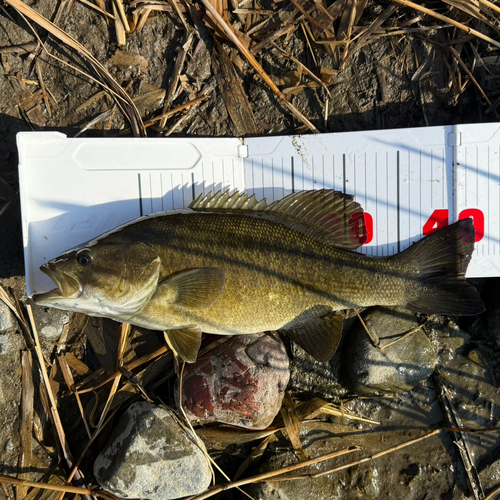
[(398, 217)]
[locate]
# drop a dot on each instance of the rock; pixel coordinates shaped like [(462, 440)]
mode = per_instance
[(49, 321), (240, 382), (473, 395), (490, 477), (8, 321), (148, 455), (366, 369)]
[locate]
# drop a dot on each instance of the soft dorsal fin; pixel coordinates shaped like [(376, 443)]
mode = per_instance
[(326, 214)]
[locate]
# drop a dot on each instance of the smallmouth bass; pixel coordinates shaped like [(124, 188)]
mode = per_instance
[(233, 265)]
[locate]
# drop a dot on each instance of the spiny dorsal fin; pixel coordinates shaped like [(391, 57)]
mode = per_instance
[(327, 214), (223, 202)]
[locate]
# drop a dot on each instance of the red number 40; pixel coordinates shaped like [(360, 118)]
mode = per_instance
[(439, 219)]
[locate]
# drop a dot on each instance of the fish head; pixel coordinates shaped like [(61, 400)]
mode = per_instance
[(106, 279)]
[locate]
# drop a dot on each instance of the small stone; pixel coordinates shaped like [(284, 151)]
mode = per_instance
[(240, 382), (8, 321), (9, 446), (365, 369), (49, 321), (148, 455)]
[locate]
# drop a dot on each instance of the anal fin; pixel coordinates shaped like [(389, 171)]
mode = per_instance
[(319, 337), (185, 342)]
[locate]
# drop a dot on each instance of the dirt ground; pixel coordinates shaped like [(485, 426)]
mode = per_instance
[(406, 80)]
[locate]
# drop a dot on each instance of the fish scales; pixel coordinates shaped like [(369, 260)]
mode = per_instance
[(273, 272), (235, 265)]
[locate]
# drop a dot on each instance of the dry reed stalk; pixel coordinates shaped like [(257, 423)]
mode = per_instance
[(407, 334), (100, 9), (70, 383), (56, 487), (376, 343), (121, 12), (121, 39), (42, 86), (273, 36), (304, 68), (51, 399), (131, 366), (251, 59), (122, 98), (26, 426), (458, 25), (256, 453), (272, 474), (291, 421), (469, 73), (492, 494), (174, 80), (362, 460)]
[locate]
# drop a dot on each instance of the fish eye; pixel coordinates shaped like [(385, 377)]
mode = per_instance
[(84, 257)]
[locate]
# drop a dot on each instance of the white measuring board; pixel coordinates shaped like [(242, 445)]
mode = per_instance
[(410, 182)]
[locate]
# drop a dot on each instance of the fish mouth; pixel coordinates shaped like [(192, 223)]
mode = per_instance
[(67, 285)]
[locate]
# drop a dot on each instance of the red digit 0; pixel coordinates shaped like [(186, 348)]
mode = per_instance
[(361, 228), (437, 220), (478, 220)]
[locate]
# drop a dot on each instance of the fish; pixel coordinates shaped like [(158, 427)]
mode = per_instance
[(232, 265)]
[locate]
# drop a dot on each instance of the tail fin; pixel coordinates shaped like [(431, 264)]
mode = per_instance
[(442, 259)]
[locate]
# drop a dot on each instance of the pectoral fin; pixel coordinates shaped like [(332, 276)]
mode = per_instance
[(196, 288), (319, 337), (185, 342)]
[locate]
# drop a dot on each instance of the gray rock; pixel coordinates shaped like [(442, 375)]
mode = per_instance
[(490, 477), (8, 321), (366, 369), (148, 455), (49, 321)]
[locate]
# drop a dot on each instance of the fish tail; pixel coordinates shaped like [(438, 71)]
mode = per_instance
[(441, 261)]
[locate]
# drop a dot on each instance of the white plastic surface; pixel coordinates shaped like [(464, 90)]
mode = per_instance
[(73, 190)]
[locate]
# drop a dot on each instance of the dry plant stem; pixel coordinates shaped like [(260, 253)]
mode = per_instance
[(42, 86), (268, 475), (273, 36), (493, 494), (121, 13), (407, 334), (7, 496), (458, 25), (363, 460), (56, 487), (467, 70), (174, 80), (251, 59), (123, 99), (26, 427), (98, 9), (53, 407), (121, 39), (304, 68), (178, 123), (375, 343), (491, 6)]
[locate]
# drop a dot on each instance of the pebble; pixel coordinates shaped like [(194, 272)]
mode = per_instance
[(240, 382), (49, 321), (8, 321), (365, 369), (9, 446), (148, 455)]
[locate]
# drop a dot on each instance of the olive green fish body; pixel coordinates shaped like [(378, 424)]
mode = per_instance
[(273, 273), (233, 265)]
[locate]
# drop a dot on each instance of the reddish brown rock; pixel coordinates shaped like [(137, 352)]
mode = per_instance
[(240, 382)]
